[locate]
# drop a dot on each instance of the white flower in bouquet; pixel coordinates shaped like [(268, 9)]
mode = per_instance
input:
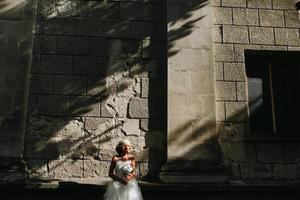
[(127, 169)]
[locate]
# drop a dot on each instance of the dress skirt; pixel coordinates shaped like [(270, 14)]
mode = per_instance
[(118, 191)]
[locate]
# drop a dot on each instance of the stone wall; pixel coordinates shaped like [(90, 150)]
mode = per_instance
[(98, 75), (16, 33), (240, 25)]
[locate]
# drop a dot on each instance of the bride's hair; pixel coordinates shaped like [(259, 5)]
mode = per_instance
[(119, 147)]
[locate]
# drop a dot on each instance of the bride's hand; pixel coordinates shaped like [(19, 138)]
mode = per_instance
[(130, 176)]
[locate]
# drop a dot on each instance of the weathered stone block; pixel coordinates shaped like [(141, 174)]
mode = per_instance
[(291, 152), (117, 29), (106, 154), (45, 44), (42, 84), (285, 171), (274, 18), (224, 52), (245, 16), (98, 47), (59, 26), (239, 16), (72, 45), (236, 111), (105, 10), (261, 35), (292, 19), (235, 171), (259, 3), (233, 152), (75, 85), (234, 3), (88, 65), (234, 72), (131, 127), (256, 171), (216, 3), (131, 11), (235, 34), (91, 123), (94, 168), (114, 107), (42, 148), (56, 64), (222, 15), (144, 124), (138, 108), (89, 27), (145, 87), (225, 90), (287, 37), (269, 152), (85, 106), (97, 86), (284, 4), (241, 91), (155, 12), (66, 169), (53, 104)]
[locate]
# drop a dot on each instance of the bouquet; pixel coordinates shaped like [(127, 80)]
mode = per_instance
[(126, 169)]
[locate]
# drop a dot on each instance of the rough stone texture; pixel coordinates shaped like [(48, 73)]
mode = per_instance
[(234, 72), (95, 73), (289, 37), (272, 18), (269, 153), (66, 169), (239, 26), (259, 3), (256, 171), (285, 171), (225, 90), (234, 3), (235, 34), (261, 35), (138, 108)]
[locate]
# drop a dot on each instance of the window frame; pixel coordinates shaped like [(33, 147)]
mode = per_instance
[(270, 56)]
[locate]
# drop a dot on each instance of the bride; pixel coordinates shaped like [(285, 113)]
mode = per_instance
[(124, 185)]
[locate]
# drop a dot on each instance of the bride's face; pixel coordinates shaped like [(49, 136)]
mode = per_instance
[(126, 148)]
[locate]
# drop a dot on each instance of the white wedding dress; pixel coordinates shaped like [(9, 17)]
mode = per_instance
[(118, 191)]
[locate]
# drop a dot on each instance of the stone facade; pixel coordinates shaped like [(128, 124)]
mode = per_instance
[(97, 77), (251, 25), (168, 75)]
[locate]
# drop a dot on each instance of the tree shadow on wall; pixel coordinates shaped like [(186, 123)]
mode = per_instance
[(90, 57)]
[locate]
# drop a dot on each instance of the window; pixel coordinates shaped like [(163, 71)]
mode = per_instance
[(273, 92)]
